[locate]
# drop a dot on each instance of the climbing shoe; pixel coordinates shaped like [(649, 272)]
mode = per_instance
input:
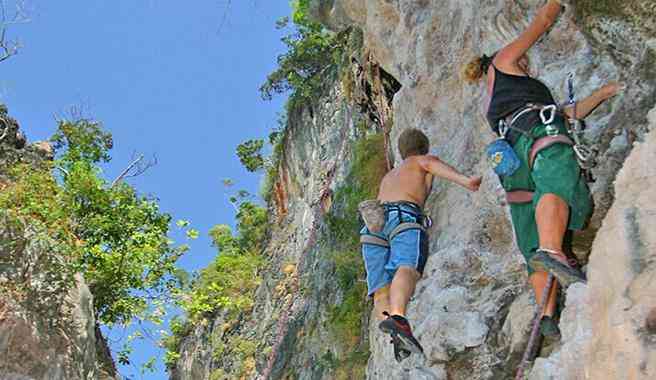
[(399, 328), (399, 353), (546, 261), (549, 328)]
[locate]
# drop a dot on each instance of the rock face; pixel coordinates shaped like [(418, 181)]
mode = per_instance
[(47, 330), (606, 330), (472, 308), (292, 316), (474, 273)]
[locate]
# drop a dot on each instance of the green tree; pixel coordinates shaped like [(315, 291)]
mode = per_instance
[(127, 257), (116, 237), (250, 154), (312, 55)]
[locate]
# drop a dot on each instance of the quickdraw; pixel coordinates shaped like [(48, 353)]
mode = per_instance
[(584, 154)]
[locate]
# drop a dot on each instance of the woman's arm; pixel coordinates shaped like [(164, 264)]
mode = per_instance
[(587, 105), (506, 58)]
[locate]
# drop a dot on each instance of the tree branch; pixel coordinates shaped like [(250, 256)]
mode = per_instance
[(9, 48), (136, 168)]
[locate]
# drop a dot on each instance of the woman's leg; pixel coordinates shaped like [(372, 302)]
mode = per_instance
[(551, 216)]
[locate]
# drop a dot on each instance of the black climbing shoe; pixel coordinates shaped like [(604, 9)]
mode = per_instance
[(543, 261), (549, 328), (399, 353), (399, 328)]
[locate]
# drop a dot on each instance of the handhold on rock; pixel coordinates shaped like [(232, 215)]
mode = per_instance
[(651, 321), (21, 140), (44, 148)]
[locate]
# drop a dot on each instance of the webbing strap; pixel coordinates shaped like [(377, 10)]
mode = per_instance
[(544, 143), (524, 196), (404, 227), (374, 240), (519, 196)]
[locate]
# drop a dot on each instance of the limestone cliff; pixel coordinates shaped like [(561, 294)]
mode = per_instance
[(472, 308), (47, 328)]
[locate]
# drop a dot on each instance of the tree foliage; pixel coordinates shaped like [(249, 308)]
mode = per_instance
[(312, 54), (118, 237), (250, 154), (229, 282)]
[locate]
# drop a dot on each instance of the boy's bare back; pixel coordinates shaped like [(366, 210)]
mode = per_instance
[(413, 178), (407, 182)]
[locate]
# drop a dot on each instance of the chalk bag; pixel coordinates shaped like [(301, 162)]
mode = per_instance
[(373, 214), (502, 157)]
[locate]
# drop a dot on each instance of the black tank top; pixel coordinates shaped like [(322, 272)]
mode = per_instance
[(510, 93)]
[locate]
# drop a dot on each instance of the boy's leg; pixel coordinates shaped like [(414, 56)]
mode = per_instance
[(403, 286), (382, 302), (375, 256), (409, 251)]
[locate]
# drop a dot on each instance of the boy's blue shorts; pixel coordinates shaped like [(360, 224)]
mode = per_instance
[(409, 248)]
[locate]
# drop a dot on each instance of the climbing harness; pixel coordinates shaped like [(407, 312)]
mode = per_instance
[(528, 353), (374, 211), (374, 240), (405, 227)]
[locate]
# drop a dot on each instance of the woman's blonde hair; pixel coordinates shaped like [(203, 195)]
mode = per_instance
[(476, 68)]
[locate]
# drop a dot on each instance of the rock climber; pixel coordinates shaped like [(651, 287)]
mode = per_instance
[(547, 193), (395, 256)]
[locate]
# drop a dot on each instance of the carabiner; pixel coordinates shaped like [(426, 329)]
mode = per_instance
[(570, 87), (582, 152), (503, 129), (543, 117), (427, 222)]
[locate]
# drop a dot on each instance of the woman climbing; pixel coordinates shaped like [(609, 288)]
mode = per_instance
[(547, 191)]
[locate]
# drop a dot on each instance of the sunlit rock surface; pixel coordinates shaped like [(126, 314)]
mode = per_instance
[(472, 308), (424, 45)]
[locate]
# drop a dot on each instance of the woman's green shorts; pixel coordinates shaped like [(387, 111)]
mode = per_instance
[(555, 171)]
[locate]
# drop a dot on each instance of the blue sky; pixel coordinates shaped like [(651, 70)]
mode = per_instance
[(166, 78)]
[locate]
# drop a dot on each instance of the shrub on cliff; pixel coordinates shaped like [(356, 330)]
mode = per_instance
[(313, 54), (228, 282)]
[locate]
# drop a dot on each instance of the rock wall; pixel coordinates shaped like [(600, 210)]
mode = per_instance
[(461, 307), (472, 308), (291, 318), (609, 325), (47, 331)]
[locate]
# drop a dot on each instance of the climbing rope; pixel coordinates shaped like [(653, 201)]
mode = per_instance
[(297, 303), (536, 328)]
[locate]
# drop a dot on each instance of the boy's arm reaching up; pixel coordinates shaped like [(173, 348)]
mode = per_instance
[(438, 168)]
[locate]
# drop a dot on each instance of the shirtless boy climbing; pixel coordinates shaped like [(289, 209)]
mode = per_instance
[(395, 257)]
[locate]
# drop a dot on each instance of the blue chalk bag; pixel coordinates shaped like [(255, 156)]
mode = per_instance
[(501, 155)]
